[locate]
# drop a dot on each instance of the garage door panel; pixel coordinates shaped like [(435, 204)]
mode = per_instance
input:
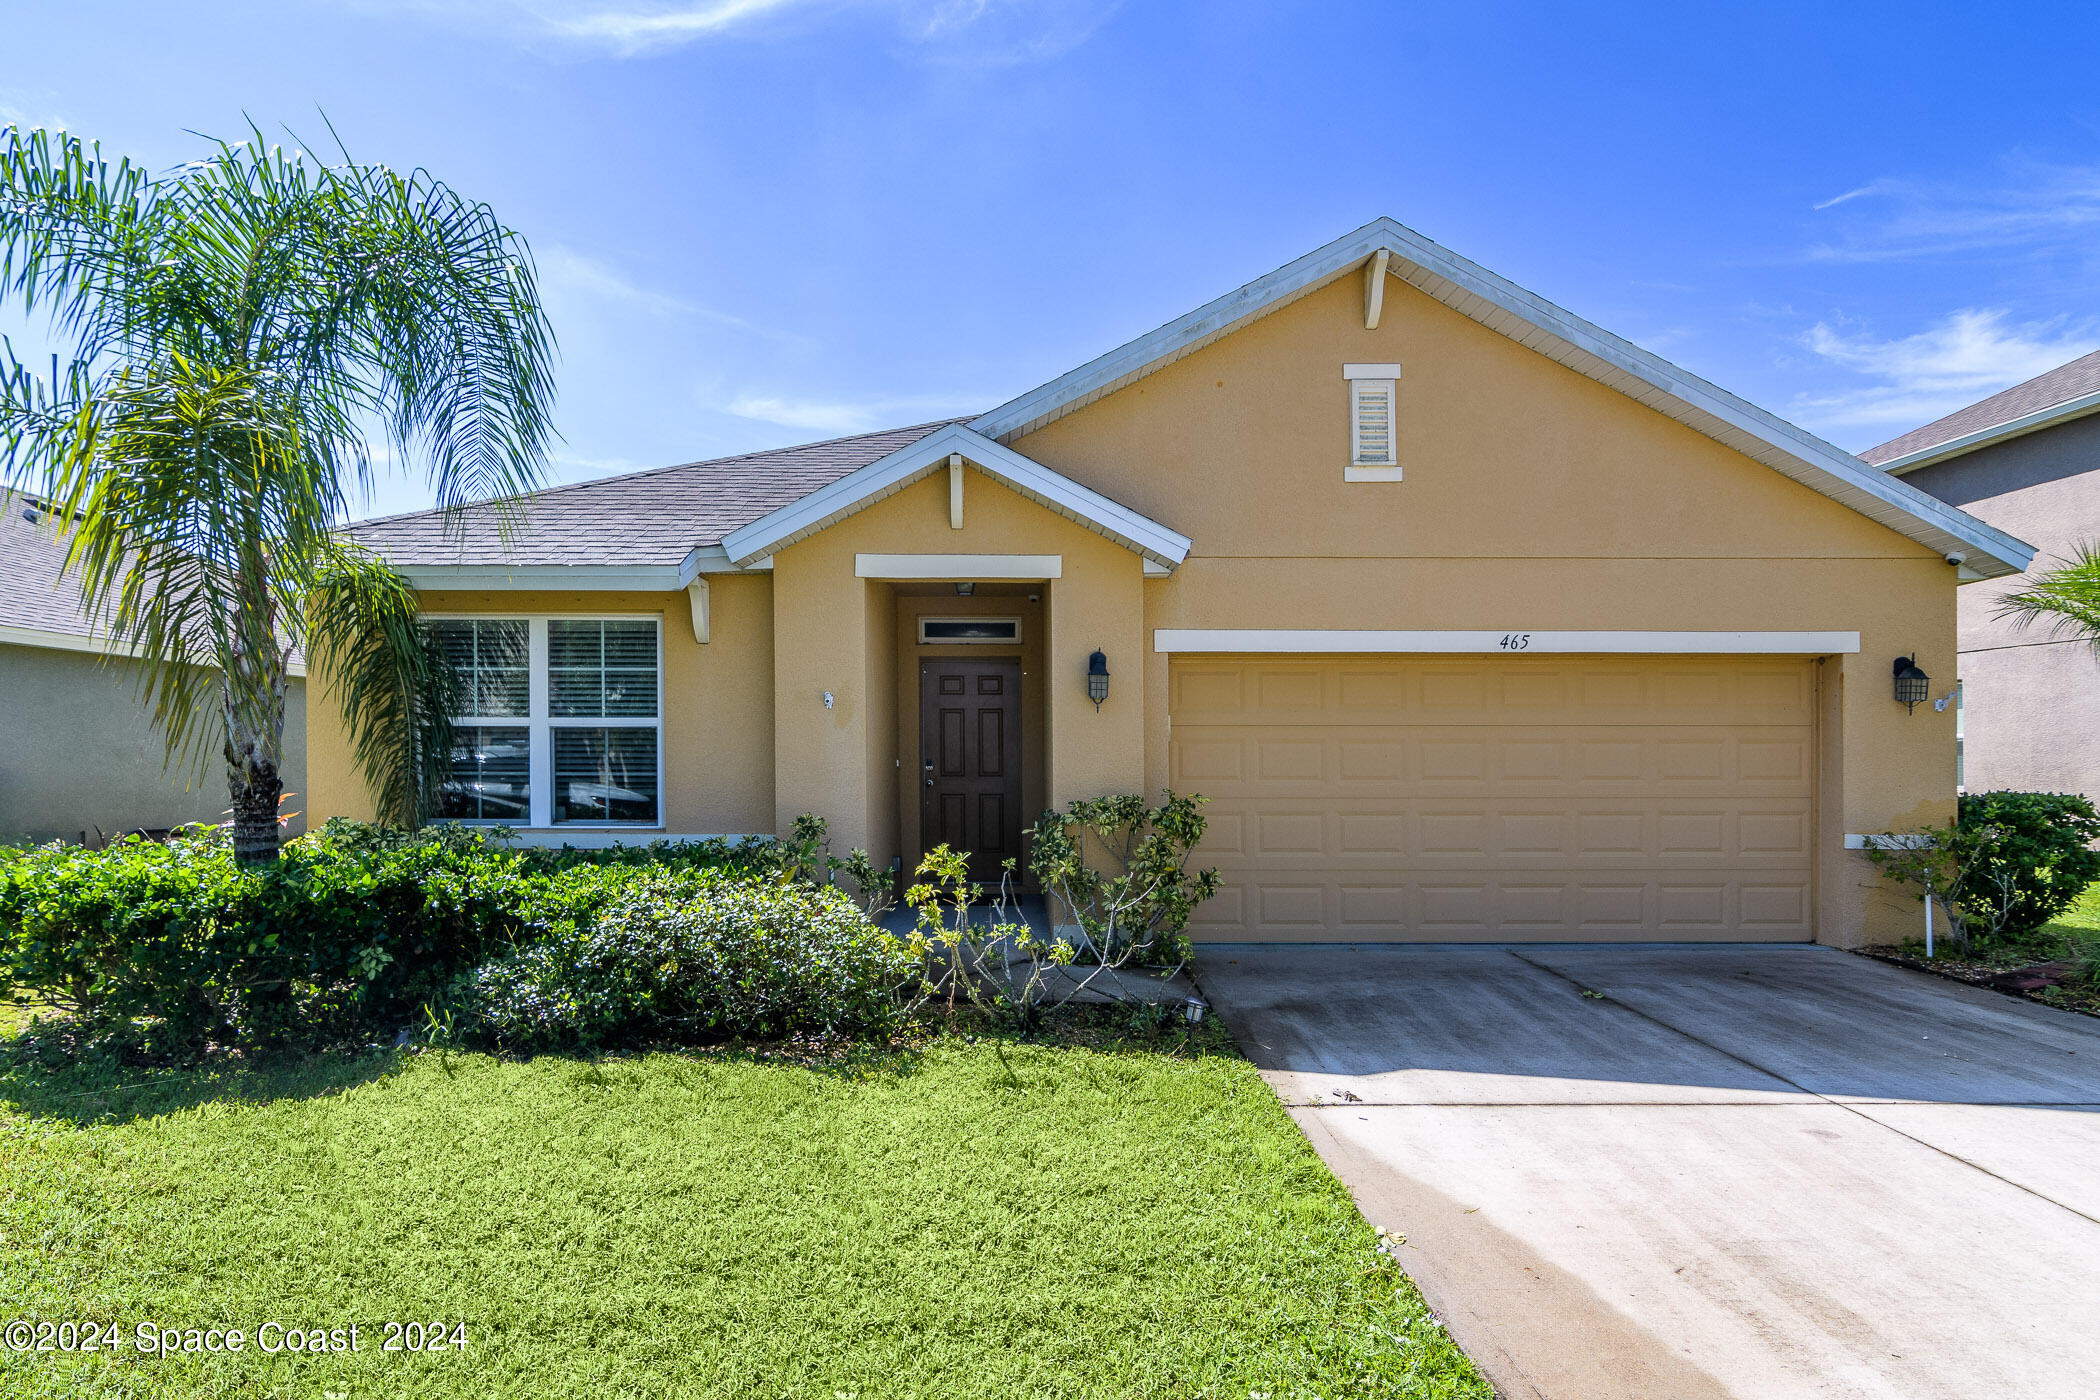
[(1560, 760), (1544, 689), (1354, 832), (1517, 797)]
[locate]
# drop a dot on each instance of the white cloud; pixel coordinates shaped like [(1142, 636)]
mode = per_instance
[(2033, 206), (982, 33), (1914, 379), (842, 417), (631, 31)]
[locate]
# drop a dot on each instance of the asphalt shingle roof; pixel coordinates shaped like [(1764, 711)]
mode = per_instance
[(31, 594), (648, 517), (2060, 385)]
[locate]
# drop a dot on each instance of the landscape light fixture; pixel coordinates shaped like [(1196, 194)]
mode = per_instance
[(1912, 684)]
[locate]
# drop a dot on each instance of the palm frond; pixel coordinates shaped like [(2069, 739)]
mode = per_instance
[(2066, 599), (238, 325), (365, 634)]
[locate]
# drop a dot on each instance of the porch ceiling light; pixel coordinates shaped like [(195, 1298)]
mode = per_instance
[(1911, 683), (1097, 679), (965, 589)]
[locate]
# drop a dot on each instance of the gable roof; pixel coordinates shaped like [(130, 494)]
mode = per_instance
[(2066, 392), (1049, 489), (650, 520), (1560, 335)]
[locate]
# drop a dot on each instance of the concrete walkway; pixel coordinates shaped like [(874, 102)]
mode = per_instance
[(1675, 1172)]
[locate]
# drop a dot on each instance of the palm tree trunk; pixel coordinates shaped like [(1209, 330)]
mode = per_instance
[(254, 758)]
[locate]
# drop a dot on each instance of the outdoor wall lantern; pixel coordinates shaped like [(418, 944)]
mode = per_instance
[(1911, 683), (1097, 679)]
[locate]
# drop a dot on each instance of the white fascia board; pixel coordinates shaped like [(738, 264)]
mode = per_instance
[(943, 567), (862, 488), (91, 646), (551, 578), (705, 559), (1511, 642), (1983, 437), (1562, 336)]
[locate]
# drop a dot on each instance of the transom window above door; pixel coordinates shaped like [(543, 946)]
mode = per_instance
[(561, 720)]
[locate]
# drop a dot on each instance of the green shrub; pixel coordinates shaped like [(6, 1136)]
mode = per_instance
[(2039, 851), (1119, 871), (349, 936), (2011, 862), (693, 956)]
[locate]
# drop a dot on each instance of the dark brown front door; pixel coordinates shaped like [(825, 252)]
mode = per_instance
[(970, 762)]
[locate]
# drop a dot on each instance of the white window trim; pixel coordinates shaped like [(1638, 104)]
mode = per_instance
[(540, 724), (1014, 640)]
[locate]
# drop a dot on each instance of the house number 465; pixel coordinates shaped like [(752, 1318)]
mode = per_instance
[(1515, 641)]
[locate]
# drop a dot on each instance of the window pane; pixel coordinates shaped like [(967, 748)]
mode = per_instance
[(605, 775), (601, 668), (489, 781), (489, 656)]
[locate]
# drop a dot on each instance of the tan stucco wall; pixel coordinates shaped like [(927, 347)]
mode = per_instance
[(81, 754), (1533, 498), (826, 624), (718, 740)]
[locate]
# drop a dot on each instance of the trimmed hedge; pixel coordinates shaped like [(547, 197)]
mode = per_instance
[(351, 935), (694, 956)]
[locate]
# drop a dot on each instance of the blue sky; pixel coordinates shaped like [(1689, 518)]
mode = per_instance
[(766, 221)]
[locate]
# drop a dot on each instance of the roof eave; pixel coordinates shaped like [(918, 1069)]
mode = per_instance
[(1998, 432), (862, 488), (1562, 336)]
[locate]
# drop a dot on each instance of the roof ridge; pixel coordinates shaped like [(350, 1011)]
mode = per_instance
[(622, 477)]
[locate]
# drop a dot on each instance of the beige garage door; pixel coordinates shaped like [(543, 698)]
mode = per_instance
[(1545, 797)]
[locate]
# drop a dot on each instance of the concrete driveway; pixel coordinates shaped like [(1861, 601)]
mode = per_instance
[(1685, 1172)]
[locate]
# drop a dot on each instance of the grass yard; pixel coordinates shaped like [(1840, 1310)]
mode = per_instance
[(977, 1219)]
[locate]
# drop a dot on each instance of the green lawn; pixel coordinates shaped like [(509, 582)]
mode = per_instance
[(1059, 1222), (2083, 917)]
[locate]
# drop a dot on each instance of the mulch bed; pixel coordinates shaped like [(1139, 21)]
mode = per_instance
[(2050, 983)]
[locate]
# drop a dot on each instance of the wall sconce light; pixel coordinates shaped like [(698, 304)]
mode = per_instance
[(1097, 679), (1912, 685)]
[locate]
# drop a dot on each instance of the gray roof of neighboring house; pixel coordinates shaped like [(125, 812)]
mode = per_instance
[(648, 517), (31, 595), (2080, 379)]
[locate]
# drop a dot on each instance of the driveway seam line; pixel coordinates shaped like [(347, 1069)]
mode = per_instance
[(1835, 1103)]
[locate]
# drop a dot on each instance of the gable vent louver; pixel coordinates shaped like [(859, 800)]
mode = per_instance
[(1373, 444)]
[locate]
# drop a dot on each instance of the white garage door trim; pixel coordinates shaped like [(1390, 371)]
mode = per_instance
[(1342, 640)]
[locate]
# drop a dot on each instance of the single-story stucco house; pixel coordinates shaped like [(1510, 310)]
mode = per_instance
[(2026, 460), (80, 759), (1471, 619)]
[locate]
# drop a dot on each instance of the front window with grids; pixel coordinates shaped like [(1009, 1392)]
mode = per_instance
[(563, 720)]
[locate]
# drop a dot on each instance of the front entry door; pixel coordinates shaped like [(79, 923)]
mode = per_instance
[(970, 762)]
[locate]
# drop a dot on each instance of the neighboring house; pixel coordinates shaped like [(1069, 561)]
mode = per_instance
[(2027, 461), (1472, 621), (79, 756)]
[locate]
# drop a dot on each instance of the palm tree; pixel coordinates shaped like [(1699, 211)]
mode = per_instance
[(239, 326), (2066, 598)]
